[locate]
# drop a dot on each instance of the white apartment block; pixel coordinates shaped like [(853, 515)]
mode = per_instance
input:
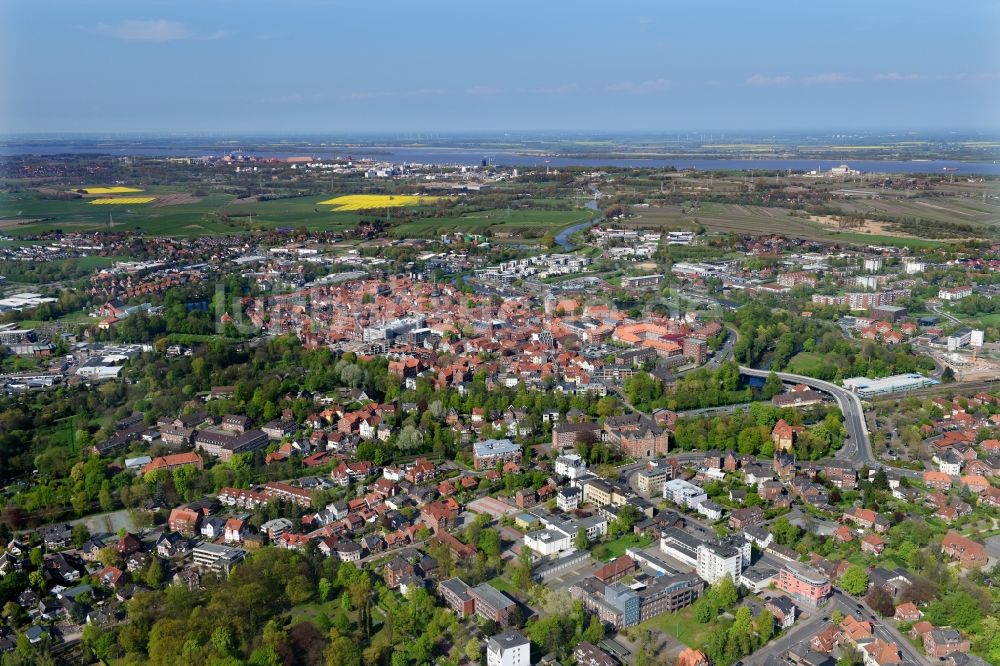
[(716, 561), (684, 493), (510, 648), (571, 465)]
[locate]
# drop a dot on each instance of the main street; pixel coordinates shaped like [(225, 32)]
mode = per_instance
[(839, 600)]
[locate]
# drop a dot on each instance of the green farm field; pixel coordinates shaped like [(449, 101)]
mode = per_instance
[(751, 220), (501, 221), (25, 214), (954, 210)]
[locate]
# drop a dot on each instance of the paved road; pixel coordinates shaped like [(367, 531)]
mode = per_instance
[(858, 446), (802, 631), (882, 629)]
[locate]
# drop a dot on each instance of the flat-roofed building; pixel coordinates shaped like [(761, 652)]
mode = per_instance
[(684, 493), (803, 583), (493, 451)]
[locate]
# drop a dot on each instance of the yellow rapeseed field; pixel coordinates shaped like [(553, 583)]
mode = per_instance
[(118, 189), (121, 201), (365, 201)]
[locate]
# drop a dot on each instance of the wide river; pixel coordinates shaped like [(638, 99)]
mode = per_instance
[(472, 157)]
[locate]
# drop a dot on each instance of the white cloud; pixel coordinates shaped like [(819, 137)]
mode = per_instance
[(643, 87), (896, 76), (829, 78), (826, 79), (482, 90), (364, 95), (979, 76), (155, 31), (761, 80), (561, 89)]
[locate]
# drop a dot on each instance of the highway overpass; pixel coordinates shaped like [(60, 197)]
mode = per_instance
[(858, 446)]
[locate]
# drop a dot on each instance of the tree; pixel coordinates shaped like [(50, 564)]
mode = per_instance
[(13, 613), (881, 480), (703, 611), (324, 587), (594, 632), (741, 636), (854, 581), (222, 640), (765, 625), (521, 576), (409, 438), (725, 592), (581, 542), (154, 574), (772, 386), (80, 534), (343, 651), (473, 650), (880, 601), (489, 543)]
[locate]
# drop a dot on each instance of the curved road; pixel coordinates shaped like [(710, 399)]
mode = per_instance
[(858, 446)]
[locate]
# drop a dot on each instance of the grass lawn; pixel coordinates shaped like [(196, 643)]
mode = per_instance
[(682, 626), (806, 363), (505, 586), (609, 551), (992, 319)]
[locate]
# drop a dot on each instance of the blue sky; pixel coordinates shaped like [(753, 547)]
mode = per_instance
[(376, 66)]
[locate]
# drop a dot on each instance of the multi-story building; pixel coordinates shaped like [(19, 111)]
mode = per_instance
[(217, 558), (942, 642), (637, 435), (224, 445), (684, 493), (510, 648), (571, 434), (680, 545), (954, 293), (571, 465), (549, 541), (716, 560), (873, 264), (568, 499), (493, 451), (796, 278), (597, 491), (695, 349), (642, 281), (650, 479), (283, 491), (457, 595), (625, 606), (803, 584), (491, 604)]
